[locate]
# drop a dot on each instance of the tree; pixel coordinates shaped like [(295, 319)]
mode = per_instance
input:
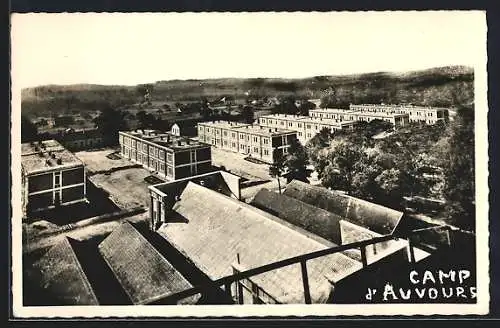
[(377, 126), (305, 107), (286, 106), (277, 168), (248, 114), (109, 122), (296, 162), (340, 169), (29, 131), (459, 170)]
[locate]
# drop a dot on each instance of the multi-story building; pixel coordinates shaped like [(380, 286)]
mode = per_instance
[(428, 115), (398, 118), (51, 176), (256, 141), (169, 156), (305, 127), (330, 113)]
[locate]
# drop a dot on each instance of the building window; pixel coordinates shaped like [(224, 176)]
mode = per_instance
[(282, 123), (266, 152), (242, 136), (255, 139), (233, 135), (300, 134), (308, 126), (255, 149), (208, 129), (225, 142), (225, 133), (289, 123), (233, 145), (242, 146), (299, 125), (266, 141), (217, 131)]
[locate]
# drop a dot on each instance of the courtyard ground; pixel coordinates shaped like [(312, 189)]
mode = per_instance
[(96, 161), (126, 188)]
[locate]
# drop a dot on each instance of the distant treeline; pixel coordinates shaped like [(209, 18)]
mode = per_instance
[(445, 86)]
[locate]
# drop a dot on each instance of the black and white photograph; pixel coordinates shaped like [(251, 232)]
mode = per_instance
[(249, 164)]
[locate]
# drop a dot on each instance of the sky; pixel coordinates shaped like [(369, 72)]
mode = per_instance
[(128, 49)]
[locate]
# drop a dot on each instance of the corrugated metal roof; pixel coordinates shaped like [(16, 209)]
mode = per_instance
[(217, 228), (62, 276), (311, 218), (375, 217), (144, 274)]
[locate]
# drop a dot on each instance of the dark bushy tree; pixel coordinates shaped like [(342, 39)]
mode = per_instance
[(277, 168), (459, 170), (296, 162), (109, 122), (29, 131), (305, 107), (340, 166), (248, 114)]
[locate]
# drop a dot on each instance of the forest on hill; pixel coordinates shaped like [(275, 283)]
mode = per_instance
[(445, 86)]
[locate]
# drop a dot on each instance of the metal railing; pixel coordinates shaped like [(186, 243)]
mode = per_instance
[(302, 259)]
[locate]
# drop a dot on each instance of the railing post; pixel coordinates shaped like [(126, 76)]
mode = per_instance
[(363, 256), (239, 288), (305, 281), (411, 251)]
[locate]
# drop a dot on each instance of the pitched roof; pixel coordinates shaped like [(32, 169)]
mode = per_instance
[(311, 218), (375, 217), (145, 275), (62, 276), (219, 227)]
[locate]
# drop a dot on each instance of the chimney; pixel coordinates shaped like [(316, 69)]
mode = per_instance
[(276, 129), (179, 143), (53, 156), (59, 161), (187, 141)]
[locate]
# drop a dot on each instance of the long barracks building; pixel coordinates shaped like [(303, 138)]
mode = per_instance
[(305, 127), (397, 118), (171, 157), (257, 141), (51, 176), (427, 115)]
